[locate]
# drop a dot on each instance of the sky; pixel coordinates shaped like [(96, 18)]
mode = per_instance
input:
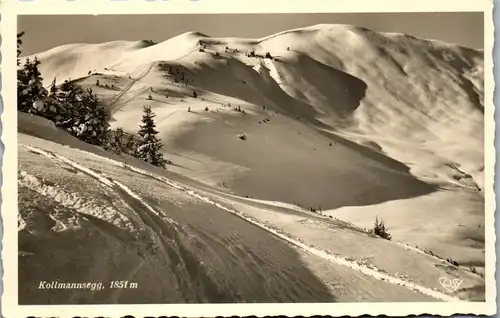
[(43, 32)]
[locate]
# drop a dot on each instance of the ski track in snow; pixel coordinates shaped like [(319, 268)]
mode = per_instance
[(370, 270), (101, 178), (129, 86), (73, 201)]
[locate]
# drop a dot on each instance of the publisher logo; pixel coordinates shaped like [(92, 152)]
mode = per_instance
[(451, 284)]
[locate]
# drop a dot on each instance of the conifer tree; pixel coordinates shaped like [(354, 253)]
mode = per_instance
[(53, 88), (92, 124), (31, 93), (19, 43), (22, 85), (53, 109), (130, 146), (148, 148), (70, 97), (81, 114), (117, 141)]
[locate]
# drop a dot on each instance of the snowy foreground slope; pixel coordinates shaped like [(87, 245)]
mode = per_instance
[(350, 122), (90, 216)]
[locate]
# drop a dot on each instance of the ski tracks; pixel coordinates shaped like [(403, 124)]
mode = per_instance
[(368, 270), (101, 178), (157, 234), (129, 85)]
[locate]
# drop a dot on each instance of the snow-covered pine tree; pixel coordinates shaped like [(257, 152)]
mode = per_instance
[(36, 84), (70, 97), (92, 125), (53, 108), (148, 148), (22, 85), (31, 93)]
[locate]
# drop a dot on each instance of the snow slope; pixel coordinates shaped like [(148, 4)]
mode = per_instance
[(351, 122), (113, 220)]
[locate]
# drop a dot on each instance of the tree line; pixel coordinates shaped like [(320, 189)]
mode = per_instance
[(79, 112)]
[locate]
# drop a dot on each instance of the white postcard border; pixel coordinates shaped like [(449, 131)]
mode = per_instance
[(8, 25)]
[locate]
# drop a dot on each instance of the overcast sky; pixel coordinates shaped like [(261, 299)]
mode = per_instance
[(44, 32)]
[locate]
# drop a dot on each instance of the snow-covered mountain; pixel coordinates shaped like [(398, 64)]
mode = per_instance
[(350, 122)]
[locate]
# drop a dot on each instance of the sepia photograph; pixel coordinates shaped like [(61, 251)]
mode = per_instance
[(251, 158)]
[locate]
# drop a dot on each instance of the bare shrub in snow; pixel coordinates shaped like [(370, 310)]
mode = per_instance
[(451, 261)]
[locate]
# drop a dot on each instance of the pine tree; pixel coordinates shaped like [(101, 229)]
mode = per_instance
[(148, 148), (53, 88), (19, 43), (38, 91), (117, 141), (22, 85), (53, 108), (92, 124), (70, 97), (30, 90), (130, 146), (81, 114)]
